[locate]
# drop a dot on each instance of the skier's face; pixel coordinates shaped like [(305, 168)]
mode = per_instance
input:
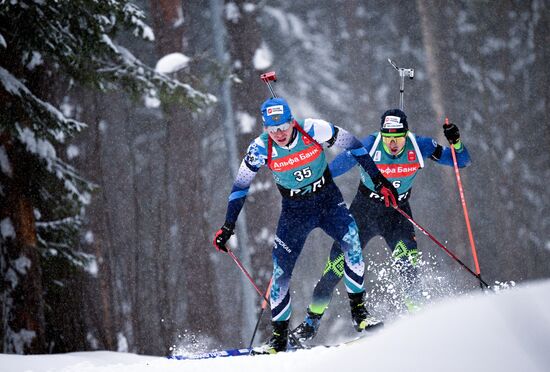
[(281, 134), (394, 145)]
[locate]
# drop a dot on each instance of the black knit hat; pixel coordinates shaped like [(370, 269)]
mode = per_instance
[(394, 121)]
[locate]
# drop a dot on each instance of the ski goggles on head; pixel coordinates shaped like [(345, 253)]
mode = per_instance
[(281, 127)]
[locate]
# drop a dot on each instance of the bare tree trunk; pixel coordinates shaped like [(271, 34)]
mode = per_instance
[(244, 38), (180, 255), (101, 225), (24, 321), (230, 137)]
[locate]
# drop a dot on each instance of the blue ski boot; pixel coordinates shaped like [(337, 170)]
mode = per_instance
[(309, 327)]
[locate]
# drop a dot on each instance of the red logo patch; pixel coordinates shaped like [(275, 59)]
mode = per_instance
[(411, 155)]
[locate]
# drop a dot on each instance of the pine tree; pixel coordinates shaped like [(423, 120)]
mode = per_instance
[(46, 47)]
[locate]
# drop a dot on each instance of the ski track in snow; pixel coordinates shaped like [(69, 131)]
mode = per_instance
[(508, 331)]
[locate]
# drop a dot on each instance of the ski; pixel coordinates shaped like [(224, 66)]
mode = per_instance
[(224, 354), (213, 354), (248, 351)]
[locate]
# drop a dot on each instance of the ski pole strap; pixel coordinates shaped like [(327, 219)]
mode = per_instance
[(269, 150), (305, 134), (299, 129)]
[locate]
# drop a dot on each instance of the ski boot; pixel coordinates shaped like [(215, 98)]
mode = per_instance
[(308, 328), (278, 341), (362, 320)]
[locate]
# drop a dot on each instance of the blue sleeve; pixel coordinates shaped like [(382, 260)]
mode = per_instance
[(341, 164), (428, 146), (462, 157), (235, 204), (345, 161), (362, 157), (254, 159)]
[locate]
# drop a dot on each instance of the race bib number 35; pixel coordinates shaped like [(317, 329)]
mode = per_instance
[(302, 174)]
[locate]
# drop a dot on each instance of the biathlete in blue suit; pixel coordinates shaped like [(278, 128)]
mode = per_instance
[(292, 150), (399, 155)]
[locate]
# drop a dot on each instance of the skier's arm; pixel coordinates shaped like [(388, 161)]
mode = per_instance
[(442, 155), (333, 135), (349, 142), (345, 161), (325, 132), (240, 189), (250, 165), (341, 164)]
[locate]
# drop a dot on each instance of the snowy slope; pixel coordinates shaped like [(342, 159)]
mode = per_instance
[(505, 332)]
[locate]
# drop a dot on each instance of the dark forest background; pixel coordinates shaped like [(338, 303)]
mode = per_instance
[(136, 271)]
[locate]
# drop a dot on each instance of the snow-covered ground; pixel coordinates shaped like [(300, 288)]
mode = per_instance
[(505, 332)]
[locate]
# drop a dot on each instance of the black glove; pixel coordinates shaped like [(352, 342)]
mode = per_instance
[(386, 189), (222, 236), (451, 133)]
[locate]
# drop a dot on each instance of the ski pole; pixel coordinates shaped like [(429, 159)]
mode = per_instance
[(464, 207), (264, 304), (240, 265), (451, 254), (267, 78)]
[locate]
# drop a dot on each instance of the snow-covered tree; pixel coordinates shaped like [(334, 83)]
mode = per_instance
[(46, 48)]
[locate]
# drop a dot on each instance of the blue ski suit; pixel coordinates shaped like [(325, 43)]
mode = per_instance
[(373, 218), (310, 199)]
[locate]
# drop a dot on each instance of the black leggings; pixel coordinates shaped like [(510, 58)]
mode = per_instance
[(373, 218)]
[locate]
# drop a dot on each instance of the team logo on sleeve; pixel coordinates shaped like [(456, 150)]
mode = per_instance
[(253, 156)]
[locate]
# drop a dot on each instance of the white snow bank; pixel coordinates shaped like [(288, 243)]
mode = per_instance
[(505, 332)]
